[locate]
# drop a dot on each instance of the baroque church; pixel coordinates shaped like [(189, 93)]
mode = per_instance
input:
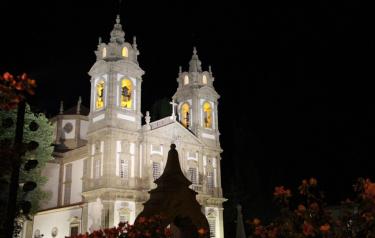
[(106, 160)]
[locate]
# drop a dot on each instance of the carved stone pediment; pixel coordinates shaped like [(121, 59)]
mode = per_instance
[(175, 132)]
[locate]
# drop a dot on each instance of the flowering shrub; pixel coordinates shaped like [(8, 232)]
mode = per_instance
[(146, 227), (310, 216), (13, 89)]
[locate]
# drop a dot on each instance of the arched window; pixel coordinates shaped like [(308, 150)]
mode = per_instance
[(104, 52), (37, 233), (100, 95), (204, 79), (124, 52), (126, 93), (207, 115), (75, 224), (186, 80), (185, 111), (124, 212)]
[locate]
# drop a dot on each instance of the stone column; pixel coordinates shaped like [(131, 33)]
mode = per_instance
[(85, 215), (220, 230), (218, 175)]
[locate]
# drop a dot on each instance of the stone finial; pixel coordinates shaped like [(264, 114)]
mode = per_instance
[(100, 40), (240, 229), (195, 63), (135, 42), (118, 19), (148, 118), (79, 105), (61, 107), (179, 70), (195, 51), (210, 70)]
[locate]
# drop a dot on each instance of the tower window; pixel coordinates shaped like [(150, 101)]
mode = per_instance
[(204, 79), (186, 80), (126, 90), (210, 181), (97, 168), (124, 169), (100, 95), (104, 52), (192, 173), (207, 115), (185, 115), (156, 170), (124, 52)]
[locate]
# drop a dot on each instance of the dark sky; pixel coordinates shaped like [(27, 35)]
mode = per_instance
[(295, 80)]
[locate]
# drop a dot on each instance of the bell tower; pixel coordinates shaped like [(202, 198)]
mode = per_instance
[(116, 80), (198, 101), (111, 170)]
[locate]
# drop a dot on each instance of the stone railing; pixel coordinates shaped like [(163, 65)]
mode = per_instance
[(197, 188), (161, 122)]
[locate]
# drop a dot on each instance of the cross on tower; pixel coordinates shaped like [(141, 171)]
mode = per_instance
[(173, 117)]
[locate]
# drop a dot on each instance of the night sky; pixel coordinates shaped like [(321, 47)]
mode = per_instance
[(295, 80)]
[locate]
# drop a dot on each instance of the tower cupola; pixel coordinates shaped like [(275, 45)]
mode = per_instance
[(117, 34), (195, 65), (117, 48)]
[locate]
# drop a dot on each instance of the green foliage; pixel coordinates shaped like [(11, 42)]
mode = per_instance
[(43, 153)]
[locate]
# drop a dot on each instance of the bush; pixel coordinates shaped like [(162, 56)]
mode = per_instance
[(307, 215)]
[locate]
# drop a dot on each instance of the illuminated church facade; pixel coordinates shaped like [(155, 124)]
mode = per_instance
[(106, 160)]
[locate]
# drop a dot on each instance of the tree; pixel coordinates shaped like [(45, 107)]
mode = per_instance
[(43, 153), (307, 215), (14, 91)]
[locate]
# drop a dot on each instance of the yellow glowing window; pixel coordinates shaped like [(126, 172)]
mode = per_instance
[(186, 79), (99, 95), (185, 114), (207, 115), (204, 79), (124, 52), (104, 53), (126, 96)]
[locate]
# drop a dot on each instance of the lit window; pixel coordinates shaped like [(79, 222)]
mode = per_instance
[(100, 94), (124, 52), (207, 115), (185, 114), (156, 170), (204, 79), (126, 90), (192, 173), (186, 79), (104, 52)]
